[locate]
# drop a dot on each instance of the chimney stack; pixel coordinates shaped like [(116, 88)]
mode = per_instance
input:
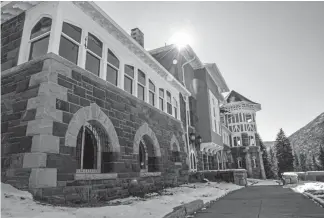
[(138, 36)]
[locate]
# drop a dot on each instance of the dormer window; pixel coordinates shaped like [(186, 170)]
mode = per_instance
[(128, 79), (39, 38), (70, 42), (94, 54), (141, 85), (112, 68)]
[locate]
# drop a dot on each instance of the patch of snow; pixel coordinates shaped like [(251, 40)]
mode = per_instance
[(309, 186), (154, 207), (290, 174), (260, 182)]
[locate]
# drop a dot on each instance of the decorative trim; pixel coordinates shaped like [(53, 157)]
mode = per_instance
[(94, 176), (149, 174)]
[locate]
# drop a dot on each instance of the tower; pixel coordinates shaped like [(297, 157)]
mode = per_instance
[(240, 118)]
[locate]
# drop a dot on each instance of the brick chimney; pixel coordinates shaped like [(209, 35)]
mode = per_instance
[(138, 36)]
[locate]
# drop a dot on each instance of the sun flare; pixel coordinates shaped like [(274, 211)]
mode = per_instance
[(181, 39)]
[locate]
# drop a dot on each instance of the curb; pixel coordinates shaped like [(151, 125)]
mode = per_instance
[(188, 209), (314, 198)]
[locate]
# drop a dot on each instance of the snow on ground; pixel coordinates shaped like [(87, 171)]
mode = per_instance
[(309, 186), (18, 204)]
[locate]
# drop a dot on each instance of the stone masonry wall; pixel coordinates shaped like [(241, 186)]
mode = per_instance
[(41, 105), (11, 33)]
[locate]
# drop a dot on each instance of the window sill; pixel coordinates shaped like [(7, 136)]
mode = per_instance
[(94, 176), (149, 174), (178, 163)]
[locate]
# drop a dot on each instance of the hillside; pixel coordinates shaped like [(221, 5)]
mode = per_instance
[(309, 138)]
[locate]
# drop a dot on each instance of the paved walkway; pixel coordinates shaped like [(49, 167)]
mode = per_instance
[(263, 202)]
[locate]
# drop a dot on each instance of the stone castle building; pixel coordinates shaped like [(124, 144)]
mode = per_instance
[(86, 110)]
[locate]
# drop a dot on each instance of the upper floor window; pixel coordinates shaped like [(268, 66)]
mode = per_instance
[(151, 93), (175, 107), (94, 54), (169, 106), (39, 38), (248, 118), (112, 68), (161, 99), (141, 85), (237, 141), (128, 79), (70, 42)]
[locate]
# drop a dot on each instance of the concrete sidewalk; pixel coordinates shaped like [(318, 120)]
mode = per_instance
[(263, 202)]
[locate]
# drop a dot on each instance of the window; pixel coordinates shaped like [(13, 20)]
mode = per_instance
[(248, 118), (254, 162), (70, 42), (94, 54), (214, 111), (175, 107), (237, 141), (39, 38), (88, 152), (112, 68), (161, 99), (239, 163), (169, 106), (141, 85), (142, 156), (252, 140), (151, 93), (193, 161), (128, 79)]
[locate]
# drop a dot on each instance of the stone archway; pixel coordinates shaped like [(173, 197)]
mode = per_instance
[(142, 131), (91, 113)]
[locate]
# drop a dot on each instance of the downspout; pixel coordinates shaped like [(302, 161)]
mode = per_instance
[(187, 107)]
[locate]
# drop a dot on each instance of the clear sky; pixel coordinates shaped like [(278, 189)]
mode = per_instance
[(270, 52)]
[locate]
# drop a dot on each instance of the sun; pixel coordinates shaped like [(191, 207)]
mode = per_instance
[(181, 39)]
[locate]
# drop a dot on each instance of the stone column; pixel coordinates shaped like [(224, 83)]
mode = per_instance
[(248, 163), (263, 175)]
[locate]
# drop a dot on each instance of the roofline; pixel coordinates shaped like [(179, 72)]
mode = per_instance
[(170, 77), (214, 65), (196, 64)]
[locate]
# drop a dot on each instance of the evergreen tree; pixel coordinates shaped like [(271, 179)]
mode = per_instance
[(266, 163), (273, 162), (314, 164), (296, 162), (303, 161), (284, 154), (321, 157)]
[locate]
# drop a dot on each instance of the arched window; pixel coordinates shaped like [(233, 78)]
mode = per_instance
[(128, 79), (141, 83), (169, 105), (175, 107), (254, 162), (39, 38), (147, 157), (193, 161), (151, 93), (94, 54), (161, 99), (90, 139), (239, 163), (70, 42), (112, 68)]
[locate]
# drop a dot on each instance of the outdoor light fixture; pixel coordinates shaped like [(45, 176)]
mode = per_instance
[(192, 137), (199, 139)]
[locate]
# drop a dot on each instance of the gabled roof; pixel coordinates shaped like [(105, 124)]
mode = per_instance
[(217, 76), (238, 97)]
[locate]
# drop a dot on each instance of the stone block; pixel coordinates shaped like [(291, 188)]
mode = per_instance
[(45, 143), (49, 113), (53, 89), (59, 129), (43, 178), (40, 126), (34, 160)]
